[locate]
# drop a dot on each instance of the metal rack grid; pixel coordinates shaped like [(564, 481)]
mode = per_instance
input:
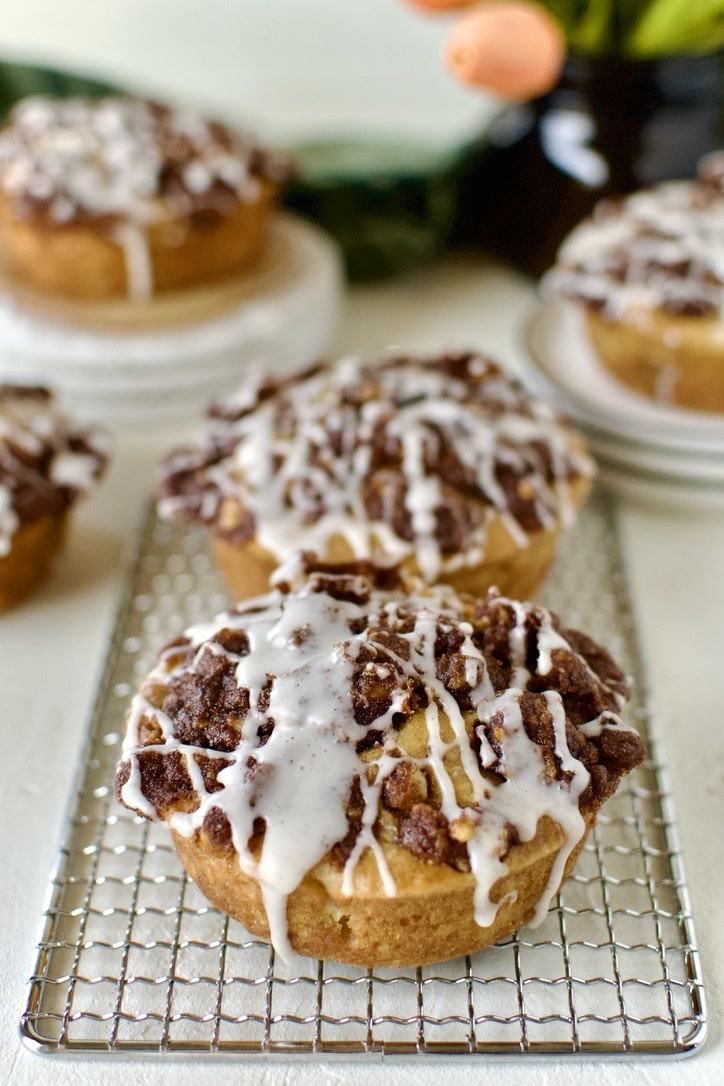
[(132, 960)]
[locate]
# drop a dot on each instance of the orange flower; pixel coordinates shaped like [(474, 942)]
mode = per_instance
[(513, 49)]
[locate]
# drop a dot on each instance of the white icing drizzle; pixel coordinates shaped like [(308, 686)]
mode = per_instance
[(300, 779), (133, 240), (305, 462), (9, 521), (659, 247), (42, 451), (73, 469)]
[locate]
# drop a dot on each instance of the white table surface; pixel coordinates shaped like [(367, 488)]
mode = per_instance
[(51, 650)]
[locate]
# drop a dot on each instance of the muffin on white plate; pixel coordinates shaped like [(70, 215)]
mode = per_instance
[(647, 271)]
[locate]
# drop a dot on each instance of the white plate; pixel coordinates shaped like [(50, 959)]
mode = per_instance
[(561, 361), (670, 492), (282, 316), (708, 471), (645, 452)]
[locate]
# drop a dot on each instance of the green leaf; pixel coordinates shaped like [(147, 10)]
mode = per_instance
[(20, 80), (640, 28), (677, 27)]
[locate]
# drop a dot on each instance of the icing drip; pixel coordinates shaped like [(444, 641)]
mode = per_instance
[(397, 456), (9, 521), (303, 658), (133, 240)]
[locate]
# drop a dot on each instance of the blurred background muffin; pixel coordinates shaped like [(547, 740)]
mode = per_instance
[(648, 273), (46, 465), (120, 197)]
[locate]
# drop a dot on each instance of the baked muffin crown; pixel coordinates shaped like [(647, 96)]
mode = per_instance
[(398, 455), (74, 159), (659, 248), (326, 722), (46, 461)]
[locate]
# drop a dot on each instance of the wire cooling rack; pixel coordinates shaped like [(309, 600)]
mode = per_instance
[(133, 960)]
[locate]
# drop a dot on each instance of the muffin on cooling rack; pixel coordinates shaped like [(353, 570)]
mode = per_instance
[(441, 466), (648, 274), (46, 464), (367, 775), (125, 198)]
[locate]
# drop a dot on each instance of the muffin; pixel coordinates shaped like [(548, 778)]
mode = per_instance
[(124, 198), (370, 776), (648, 274), (439, 465), (46, 465)]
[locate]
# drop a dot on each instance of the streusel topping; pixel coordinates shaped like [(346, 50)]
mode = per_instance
[(71, 159)]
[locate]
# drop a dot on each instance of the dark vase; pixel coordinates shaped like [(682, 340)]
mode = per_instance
[(610, 126)]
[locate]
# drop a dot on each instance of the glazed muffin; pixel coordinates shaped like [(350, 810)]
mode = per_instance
[(46, 464), (370, 776), (441, 466), (648, 273), (125, 198)]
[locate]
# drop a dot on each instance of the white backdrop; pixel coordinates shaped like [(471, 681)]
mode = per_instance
[(298, 68)]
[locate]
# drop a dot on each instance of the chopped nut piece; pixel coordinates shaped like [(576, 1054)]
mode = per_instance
[(463, 828)]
